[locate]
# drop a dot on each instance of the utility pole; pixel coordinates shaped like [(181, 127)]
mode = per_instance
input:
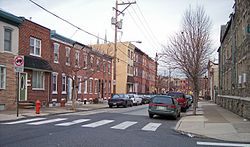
[(118, 25)]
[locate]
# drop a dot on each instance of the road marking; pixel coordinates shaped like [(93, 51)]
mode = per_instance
[(151, 126), (223, 144), (72, 123), (98, 123), (124, 125), (47, 121), (24, 121)]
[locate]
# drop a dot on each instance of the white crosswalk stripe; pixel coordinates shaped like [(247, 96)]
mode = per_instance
[(98, 123), (73, 122), (121, 126), (24, 121), (124, 125), (151, 127), (47, 121)]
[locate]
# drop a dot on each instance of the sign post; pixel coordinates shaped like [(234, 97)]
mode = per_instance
[(18, 67)]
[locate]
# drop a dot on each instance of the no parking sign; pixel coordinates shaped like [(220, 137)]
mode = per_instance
[(19, 63)]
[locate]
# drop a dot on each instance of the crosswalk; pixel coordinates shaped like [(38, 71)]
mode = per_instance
[(85, 123)]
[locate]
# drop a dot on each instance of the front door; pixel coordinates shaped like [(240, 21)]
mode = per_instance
[(23, 87), (69, 89)]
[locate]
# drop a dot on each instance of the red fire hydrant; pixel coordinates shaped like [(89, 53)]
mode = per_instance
[(38, 106)]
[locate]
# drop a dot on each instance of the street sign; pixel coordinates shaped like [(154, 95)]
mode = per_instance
[(18, 63)]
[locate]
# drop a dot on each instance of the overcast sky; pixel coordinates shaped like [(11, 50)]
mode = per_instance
[(149, 21)]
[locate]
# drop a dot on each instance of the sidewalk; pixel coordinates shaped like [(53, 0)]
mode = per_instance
[(215, 122), (24, 113)]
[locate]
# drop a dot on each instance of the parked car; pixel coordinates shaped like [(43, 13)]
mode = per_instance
[(164, 105), (136, 99), (190, 100), (120, 100), (182, 100), (146, 99)]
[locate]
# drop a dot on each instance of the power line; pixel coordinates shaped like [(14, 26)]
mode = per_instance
[(66, 20), (140, 29), (144, 27), (78, 28), (147, 23)]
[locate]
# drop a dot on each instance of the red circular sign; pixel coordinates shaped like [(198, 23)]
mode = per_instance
[(19, 60)]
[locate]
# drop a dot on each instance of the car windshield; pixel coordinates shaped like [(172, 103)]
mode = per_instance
[(116, 96), (175, 95), (162, 100), (189, 96)]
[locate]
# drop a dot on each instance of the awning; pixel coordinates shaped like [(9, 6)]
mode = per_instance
[(36, 63)]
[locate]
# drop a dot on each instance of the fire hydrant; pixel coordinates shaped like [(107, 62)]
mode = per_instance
[(38, 106)]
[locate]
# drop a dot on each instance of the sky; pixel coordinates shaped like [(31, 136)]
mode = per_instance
[(150, 21)]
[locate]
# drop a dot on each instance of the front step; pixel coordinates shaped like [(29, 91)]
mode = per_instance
[(26, 105)]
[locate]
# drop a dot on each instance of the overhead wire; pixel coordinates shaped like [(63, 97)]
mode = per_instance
[(147, 24), (78, 28)]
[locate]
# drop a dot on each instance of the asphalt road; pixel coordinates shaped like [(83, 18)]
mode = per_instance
[(116, 127)]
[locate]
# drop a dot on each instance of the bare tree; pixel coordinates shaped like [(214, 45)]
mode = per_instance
[(190, 49)]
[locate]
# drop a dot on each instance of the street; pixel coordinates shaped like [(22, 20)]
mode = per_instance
[(107, 127)]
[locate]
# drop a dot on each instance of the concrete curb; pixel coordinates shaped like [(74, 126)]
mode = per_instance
[(53, 114)]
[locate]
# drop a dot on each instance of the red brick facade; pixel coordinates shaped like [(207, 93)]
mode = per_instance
[(30, 29)]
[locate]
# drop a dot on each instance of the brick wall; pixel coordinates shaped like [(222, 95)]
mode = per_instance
[(8, 95), (30, 29)]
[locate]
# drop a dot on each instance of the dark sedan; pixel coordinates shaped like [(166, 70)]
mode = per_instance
[(120, 100)]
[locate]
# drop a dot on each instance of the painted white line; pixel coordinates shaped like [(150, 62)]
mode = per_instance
[(223, 144), (98, 123), (72, 123), (24, 121), (124, 125), (47, 121), (151, 126)]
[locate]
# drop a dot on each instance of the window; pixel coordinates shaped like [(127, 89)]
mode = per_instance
[(104, 66), (96, 86), (85, 61), (109, 89), (77, 54), (35, 47), (90, 85), (38, 80), (104, 87), (85, 86), (7, 39), (64, 84), (54, 83), (79, 85), (109, 68), (98, 64), (2, 77), (67, 55), (91, 61), (56, 52)]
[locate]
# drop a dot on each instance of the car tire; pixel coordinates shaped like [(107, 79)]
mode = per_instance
[(179, 114), (151, 115), (125, 105), (110, 106), (175, 116)]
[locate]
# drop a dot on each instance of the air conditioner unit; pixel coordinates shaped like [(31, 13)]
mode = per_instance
[(113, 21), (240, 79), (244, 80)]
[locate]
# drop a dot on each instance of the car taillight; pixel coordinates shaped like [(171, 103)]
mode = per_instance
[(172, 106), (151, 104)]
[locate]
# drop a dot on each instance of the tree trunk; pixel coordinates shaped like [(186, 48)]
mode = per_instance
[(196, 96)]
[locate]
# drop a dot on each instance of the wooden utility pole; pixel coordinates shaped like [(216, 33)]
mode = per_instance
[(118, 25)]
